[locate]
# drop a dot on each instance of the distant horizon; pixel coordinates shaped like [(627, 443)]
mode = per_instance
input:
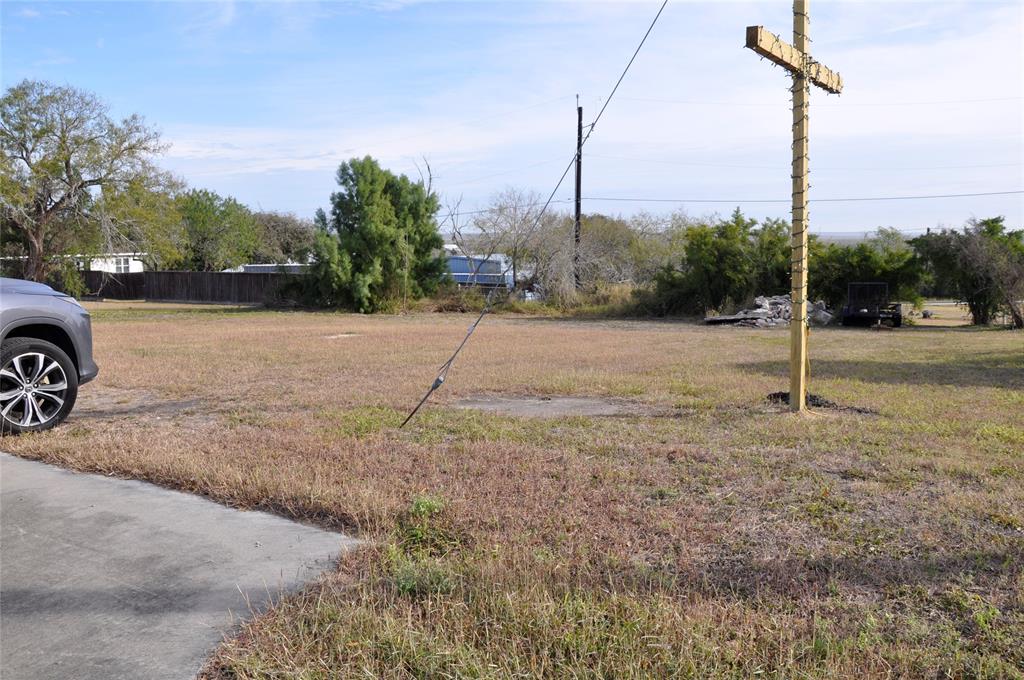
[(262, 101)]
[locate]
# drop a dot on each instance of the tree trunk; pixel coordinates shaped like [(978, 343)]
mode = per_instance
[(980, 313), (35, 264), (515, 266), (1016, 313)]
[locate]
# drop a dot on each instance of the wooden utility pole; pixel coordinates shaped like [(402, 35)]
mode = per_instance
[(797, 60), (579, 195)]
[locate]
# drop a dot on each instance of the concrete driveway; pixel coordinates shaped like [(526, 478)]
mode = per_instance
[(107, 578)]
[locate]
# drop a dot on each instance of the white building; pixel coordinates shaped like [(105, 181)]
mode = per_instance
[(112, 263), (283, 268)]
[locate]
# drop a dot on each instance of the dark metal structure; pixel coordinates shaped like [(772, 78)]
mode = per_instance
[(867, 304)]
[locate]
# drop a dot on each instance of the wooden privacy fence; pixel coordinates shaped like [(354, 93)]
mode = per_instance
[(115, 286), (187, 286)]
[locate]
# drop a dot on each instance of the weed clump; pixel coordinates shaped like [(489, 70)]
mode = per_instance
[(417, 563), (419, 576), (425, 528)]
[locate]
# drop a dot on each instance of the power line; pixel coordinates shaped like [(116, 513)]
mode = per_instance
[(517, 206), (459, 124), (915, 198), (941, 102), (871, 232), (442, 374), (608, 100), (687, 163), (973, 166), (592, 125), (600, 113), (853, 199), (695, 102), (504, 172), (828, 167), (815, 200)]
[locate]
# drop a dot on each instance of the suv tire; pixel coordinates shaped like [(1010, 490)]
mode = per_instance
[(38, 385)]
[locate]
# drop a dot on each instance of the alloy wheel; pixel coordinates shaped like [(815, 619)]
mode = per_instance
[(33, 388)]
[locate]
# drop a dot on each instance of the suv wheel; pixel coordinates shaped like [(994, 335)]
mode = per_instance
[(38, 385)]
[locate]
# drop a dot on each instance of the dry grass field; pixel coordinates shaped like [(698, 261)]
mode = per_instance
[(700, 533)]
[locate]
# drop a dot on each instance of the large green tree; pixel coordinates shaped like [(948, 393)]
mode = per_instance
[(220, 233), (61, 151), (386, 229), (770, 255), (283, 237), (884, 258), (330, 273), (730, 261), (141, 216), (718, 266)]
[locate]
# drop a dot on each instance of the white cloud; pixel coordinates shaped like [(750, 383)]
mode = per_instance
[(53, 58), (478, 134), (231, 150), (224, 13), (205, 21)]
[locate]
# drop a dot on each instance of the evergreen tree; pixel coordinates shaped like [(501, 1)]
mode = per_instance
[(386, 232)]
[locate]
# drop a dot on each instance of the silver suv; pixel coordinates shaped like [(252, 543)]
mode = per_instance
[(45, 354)]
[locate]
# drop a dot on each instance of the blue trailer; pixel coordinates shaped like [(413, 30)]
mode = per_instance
[(492, 272)]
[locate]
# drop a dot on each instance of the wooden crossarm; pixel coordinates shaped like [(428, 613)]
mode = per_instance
[(778, 51), (773, 48), (824, 77)]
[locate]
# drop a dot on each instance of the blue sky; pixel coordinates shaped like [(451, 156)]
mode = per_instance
[(261, 101)]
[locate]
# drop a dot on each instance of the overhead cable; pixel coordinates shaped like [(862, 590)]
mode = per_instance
[(442, 374)]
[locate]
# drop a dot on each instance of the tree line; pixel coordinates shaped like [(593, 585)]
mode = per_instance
[(75, 181), (680, 265)]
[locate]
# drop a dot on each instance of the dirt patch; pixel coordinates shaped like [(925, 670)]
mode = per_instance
[(816, 401), (106, 403), (551, 407)]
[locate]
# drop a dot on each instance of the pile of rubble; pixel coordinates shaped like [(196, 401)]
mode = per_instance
[(776, 310)]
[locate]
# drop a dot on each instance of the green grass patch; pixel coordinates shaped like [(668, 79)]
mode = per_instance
[(362, 421)]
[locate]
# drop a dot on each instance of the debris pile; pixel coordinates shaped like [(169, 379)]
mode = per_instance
[(775, 310), (812, 400), (816, 401)]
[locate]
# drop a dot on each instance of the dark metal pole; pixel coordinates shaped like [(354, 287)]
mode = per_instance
[(579, 199)]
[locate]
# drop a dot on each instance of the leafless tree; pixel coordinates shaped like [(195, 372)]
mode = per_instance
[(454, 220), (540, 245), (510, 225), (552, 254)]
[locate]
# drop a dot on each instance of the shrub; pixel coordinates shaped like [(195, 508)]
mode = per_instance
[(384, 228)]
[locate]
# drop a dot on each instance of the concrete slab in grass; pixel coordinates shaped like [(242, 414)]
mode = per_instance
[(547, 407), (107, 578)]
